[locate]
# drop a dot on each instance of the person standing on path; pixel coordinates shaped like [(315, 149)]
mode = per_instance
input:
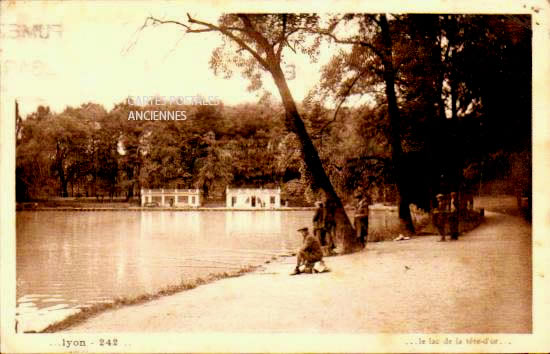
[(439, 216), (329, 226), (319, 223), (454, 216), (361, 219)]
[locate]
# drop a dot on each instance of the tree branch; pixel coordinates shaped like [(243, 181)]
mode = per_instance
[(340, 104), (213, 28), (255, 35), (282, 38), (328, 33), (372, 17)]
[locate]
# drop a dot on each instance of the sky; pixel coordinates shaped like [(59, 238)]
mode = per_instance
[(74, 52), (59, 53)]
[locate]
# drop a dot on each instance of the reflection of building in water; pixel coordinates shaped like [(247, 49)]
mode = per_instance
[(171, 197), (243, 222), (172, 224), (253, 198)]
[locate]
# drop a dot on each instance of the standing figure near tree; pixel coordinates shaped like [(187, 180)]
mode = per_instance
[(454, 216), (330, 226), (319, 223), (361, 219), (439, 216)]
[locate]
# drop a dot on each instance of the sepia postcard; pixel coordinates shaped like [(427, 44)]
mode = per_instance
[(274, 176)]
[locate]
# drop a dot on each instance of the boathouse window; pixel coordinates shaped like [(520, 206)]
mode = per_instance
[(272, 200), (193, 200), (233, 201), (184, 199), (253, 201)]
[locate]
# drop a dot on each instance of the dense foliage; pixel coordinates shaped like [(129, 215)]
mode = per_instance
[(462, 87)]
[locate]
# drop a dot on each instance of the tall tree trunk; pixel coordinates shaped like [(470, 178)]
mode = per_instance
[(62, 180), (18, 122), (453, 84), (94, 173), (395, 126), (60, 171), (271, 62), (314, 165), (440, 78), (130, 191), (438, 114)]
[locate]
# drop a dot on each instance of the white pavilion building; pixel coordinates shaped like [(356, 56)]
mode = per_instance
[(253, 198), (171, 197)]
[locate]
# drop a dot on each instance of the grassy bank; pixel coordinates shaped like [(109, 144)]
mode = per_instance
[(88, 312)]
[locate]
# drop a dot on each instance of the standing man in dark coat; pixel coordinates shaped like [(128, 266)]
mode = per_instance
[(439, 216), (330, 226), (361, 219), (319, 223), (454, 216)]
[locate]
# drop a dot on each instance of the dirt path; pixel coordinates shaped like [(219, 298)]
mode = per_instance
[(478, 284)]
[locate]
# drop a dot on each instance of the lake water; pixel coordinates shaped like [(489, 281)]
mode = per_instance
[(70, 260)]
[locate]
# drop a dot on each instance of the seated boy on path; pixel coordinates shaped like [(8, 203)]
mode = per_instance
[(309, 253)]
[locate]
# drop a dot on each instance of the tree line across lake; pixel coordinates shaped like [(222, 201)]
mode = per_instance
[(446, 106), (89, 152)]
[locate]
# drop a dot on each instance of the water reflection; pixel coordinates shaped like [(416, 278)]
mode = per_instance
[(66, 260), (257, 223)]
